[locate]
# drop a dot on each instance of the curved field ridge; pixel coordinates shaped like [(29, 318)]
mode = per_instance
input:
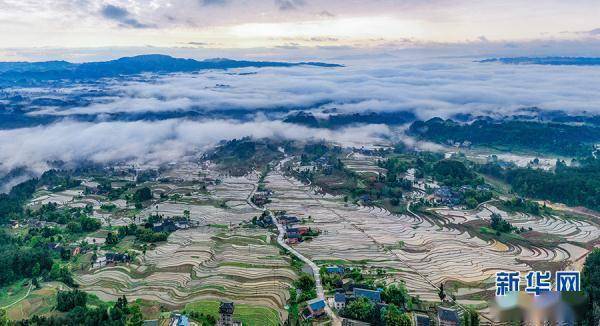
[(434, 246), (200, 264)]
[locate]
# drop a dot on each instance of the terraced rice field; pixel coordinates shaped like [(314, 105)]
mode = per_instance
[(432, 246), (205, 204), (201, 264), (361, 163)]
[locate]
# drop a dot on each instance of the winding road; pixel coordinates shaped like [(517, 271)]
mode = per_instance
[(315, 269)]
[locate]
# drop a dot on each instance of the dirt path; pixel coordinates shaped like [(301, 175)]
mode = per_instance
[(23, 298)]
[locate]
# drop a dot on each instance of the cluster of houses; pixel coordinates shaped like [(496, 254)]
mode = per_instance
[(111, 258), (73, 249), (445, 196), (263, 221), (293, 234), (323, 164), (458, 144), (172, 225), (32, 223), (348, 291), (451, 197)]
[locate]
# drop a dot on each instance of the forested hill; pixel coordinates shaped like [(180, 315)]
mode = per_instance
[(574, 186), (510, 135), (32, 72)]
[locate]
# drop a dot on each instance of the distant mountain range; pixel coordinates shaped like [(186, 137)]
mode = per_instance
[(35, 72), (554, 61)]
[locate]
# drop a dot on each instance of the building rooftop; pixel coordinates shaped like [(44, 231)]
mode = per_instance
[(373, 295), (422, 320), (226, 308), (335, 269), (339, 297), (316, 304), (448, 314)]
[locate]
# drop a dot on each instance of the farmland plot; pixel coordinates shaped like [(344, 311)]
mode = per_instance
[(434, 247), (199, 264)]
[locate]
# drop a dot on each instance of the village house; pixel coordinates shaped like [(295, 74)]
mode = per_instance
[(226, 310), (100, 262), (260, 198), (448, 316), (445, 196), (182, 225), (264, 222), (315, 308), (422, 320), (167, 225), (302, 230), (115, 258), (293, 238), (287, 219), (335, 269), (54, 246), (76, 251), (372, 295), (179, 320), (352, 322), (339, 301)]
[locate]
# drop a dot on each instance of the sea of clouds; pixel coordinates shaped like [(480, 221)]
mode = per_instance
[(434, 87)]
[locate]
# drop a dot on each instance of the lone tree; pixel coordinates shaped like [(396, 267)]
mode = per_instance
[(442, 294)]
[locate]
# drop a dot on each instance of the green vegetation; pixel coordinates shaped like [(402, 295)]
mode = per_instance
[(573, 186), (361, 309), (591, 287), (11, 204), (67, 300), (306, 284), (501, 225), (58, 180), (142, 234), (394, 316), (240, 156), (562, 139), (75, 218), (142, 194), (470, 317), (105, 188), (523, 205), (455, 173), (247, 314), (397, 295), (472, 198), (24, 258), (76, 312)]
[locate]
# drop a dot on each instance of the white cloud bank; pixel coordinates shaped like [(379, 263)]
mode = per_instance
[(151, 142), (435, 87)]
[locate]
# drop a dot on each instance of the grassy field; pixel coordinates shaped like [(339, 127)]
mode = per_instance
[(13, 292), (39, 302), (248, 315)]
